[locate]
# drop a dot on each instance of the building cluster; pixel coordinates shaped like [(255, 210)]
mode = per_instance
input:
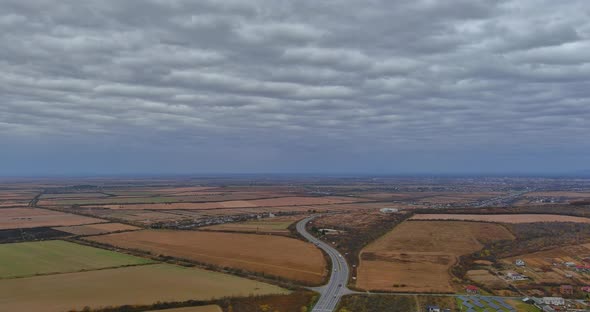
[(191, 223), (547, 304), (513, 276)]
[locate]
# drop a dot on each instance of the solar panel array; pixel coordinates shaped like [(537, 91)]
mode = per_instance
[(494, 304)]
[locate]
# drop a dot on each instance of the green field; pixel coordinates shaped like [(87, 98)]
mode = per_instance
[(35, 258)]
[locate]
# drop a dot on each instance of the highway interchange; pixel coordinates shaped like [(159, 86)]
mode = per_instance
[(330, 293)]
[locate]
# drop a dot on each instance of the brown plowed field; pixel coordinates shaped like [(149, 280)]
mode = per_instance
[(484, 277), (14, 218), (270, 202), (507, 218), (95, 229), (269, 225), (276, 255), (416, 256), (13, 204)]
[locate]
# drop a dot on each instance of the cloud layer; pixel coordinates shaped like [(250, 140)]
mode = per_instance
[(273, 85)]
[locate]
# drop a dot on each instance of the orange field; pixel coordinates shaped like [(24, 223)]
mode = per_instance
[(506, 218), (14, 218), (270, 202), (416, 256), (275, 255), (94, 229)]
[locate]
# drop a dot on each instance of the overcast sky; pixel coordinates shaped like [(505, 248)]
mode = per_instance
[(211, 86)]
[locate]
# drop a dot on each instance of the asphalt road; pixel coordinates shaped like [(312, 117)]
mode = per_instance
[(330, 293)]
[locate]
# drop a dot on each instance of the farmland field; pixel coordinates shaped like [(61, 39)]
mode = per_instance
[(269, 202), (567, 194), (208, 308), (13, 204), (34, 258), (506, 218), (270, 225), (275, 255), (117, 200), (136, 285), (417, 255), (14, 218), (489, 280), (73, 195), (94, 229)]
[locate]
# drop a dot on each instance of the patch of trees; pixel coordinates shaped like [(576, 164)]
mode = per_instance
[(376, 303), (33, 234)]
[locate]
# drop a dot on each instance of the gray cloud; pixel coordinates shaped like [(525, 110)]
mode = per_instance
[(293, 81)]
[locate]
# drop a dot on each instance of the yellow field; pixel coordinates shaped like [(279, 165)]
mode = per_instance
[(416, 255), (139, 285), (209, 308), (276, 255)]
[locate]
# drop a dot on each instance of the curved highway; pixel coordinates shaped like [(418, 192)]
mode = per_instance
[(330, 293)]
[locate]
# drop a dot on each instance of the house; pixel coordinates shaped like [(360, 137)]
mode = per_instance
[(583, 268), (432, 308), (519, 262), (566, 289), (556, 301), (585, 289), (389, 210), (515, 276), (471, 289)]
